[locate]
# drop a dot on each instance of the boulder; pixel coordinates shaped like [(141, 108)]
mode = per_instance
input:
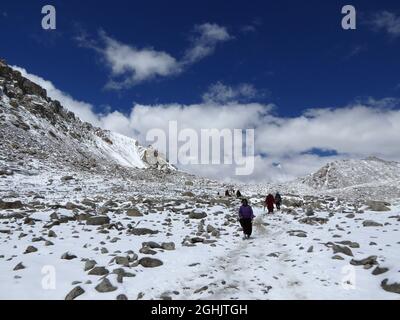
[(342, 249), (147, 250), (98, 271), (197, 215), (30, 249), (392, 287), (68, 256), (105, 286), (196, 240), (133, 212), (351, 244), (152, 245), (188, 194), (150, 262), (201, 289), (19, 266), (142, 231), (371, 223), (4, 205), (98, 220), (122, 273), (378, 270), (90, 264), (67, 178), (378, 206), (371, 260), (52, 234), (168, 245), (122, 261), (74, 293)]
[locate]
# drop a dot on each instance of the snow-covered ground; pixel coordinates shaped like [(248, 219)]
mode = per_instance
[(287, 257)]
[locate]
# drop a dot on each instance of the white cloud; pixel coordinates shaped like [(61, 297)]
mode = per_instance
[(357, 130), (364, 128), (222, 93), (208, 35), (136, 65), (387, 21), (130, 65)]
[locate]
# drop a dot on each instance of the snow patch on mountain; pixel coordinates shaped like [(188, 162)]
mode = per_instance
[(352, 172)]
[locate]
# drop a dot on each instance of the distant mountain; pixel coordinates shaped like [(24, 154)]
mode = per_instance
[(34, 127), (350, 173)]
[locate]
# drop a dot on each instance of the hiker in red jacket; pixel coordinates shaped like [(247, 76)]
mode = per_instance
[(269, 203)]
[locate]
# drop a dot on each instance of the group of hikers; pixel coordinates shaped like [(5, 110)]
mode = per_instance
[(246, 214), (230, 193)]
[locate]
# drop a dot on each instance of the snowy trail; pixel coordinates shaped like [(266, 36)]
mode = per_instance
[(275, 265), (245, 271)]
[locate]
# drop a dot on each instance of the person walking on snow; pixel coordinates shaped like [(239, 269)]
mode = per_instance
[(269, 203), (278, 201), (246, 217)]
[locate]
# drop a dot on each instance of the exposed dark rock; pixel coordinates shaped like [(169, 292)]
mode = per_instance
[(378, 270), (351, 244), (168, 245), (74, 293), (371, 260), (150, 262), (105, 286), (152, 245), (147, 250), (378, 206), (98, 271), (197, 215), (67, 178), (19, 266), (90, 264), (392, 287), (133, 213), (342, 249), (188, 194), (30, 249), (142, 231), (98, 220), (5, 205), (370, 223), (68, 256)]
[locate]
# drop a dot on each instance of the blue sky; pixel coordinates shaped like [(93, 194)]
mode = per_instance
[(292, 54)]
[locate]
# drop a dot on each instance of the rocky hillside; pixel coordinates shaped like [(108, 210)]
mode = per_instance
[(348, 173), (35, 128)]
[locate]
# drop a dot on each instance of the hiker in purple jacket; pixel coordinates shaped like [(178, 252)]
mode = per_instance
[(246, 217)]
